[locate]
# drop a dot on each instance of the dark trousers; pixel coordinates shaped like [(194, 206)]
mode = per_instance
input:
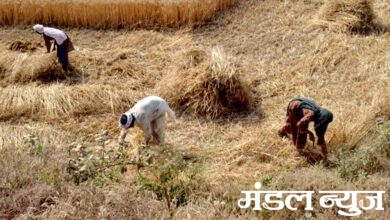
[(62, 56), (321, 124)]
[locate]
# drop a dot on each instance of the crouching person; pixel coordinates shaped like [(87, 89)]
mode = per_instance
[(300, 112), (62, 43), (149, 115)]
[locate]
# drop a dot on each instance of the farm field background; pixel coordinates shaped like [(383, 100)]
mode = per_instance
[(102, 14), (54, 128)]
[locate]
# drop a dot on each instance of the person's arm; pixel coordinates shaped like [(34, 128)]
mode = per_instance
[(122, 136), (286, 129), (303, 124), (47, 42)]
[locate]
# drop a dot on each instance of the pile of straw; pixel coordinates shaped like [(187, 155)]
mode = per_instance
[(206, 84), (24, 46), (22, 68), (353, 16), (61, 101)]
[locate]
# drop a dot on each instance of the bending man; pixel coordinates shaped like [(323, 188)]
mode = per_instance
[(61, 40), (300, 112)]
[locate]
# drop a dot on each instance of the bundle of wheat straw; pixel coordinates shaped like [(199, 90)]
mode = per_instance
[(353, 16), (24, 67), (61, 101), (207, 84)]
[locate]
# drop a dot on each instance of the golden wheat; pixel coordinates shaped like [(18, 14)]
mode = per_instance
[(109, 15), (206, 84), (57, 101), (354, 16)]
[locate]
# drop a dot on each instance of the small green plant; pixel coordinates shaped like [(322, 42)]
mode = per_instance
[(169, 177), (384, 133), (369, 158), (308, 216), (47, 176), (266, 180), (32, 141), (357, 165), (101, 165)]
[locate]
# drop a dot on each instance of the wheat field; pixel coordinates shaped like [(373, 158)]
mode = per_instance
[(60, 158), (102, 14)]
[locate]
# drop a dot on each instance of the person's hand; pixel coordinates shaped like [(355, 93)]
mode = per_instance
[(282, 133)]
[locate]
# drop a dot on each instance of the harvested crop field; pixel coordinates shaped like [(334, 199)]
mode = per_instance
[(229, 82)]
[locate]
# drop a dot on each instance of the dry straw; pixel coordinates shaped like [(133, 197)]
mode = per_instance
[(107, 14), (61, 101), (207, 84), (353, 16), (22, 68), (24, 46)]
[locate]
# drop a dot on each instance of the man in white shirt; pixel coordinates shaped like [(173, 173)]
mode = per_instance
[(149, 115), (61, 40)]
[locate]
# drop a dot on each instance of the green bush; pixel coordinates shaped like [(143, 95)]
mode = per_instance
[(371, 157), (170, 177)]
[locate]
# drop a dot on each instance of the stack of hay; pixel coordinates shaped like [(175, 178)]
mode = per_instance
[(21, 68), (206, 84), (351, 16), (24, 46)]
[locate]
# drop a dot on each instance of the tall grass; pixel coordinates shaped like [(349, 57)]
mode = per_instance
[(104, 14)]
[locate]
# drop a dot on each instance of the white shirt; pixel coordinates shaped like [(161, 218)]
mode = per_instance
[(146, 111), (58, 35), (149, 108)]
